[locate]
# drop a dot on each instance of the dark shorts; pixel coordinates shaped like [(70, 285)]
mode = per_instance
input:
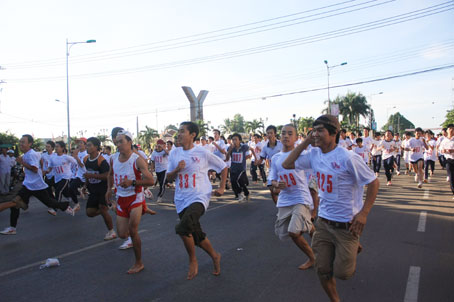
[(189, 222), (415, 162), (96, 199), (41, 195)]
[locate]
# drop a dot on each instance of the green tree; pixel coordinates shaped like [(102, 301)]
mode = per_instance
[(146, 136), (304, 123), (253, 125), (38, 144), (102, 138), (449, 118), (237, 124), (398, 123), (8, 138), (352, 106), (171, 127), (203, 127)]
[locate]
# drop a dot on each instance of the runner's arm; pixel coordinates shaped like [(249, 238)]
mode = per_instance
[(289, 162), (359, 221)]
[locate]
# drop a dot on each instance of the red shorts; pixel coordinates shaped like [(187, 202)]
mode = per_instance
[(126, 204)]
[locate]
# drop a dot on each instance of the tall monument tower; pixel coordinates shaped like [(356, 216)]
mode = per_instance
[(196, 102)]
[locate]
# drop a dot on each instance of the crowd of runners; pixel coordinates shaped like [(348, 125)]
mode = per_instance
[(316, 181)]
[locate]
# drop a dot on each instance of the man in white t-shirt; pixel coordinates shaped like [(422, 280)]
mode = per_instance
[(257, 145), (5, 171), (33, 185), (388, 147), (294, 200), (430, 156), (189, 165), (441, 157), (447, 149), (416, 147), (344, 141), (341, 177), (159, 161)]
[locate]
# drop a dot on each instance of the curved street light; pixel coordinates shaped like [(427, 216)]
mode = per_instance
[(68, 47), (328, 68)]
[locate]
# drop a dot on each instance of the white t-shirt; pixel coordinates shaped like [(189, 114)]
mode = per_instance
[(257, 147), (439, 141), (375, 150), (126, 170), (430, 154), (447, 144), (107, 157), (268, 152), (367, 142), (160, 159), (209, 147), (341, 177), (81, 170), (417, 147), (296, 190), (192, 183), (386, 148), (345, 143), (61, 165), (222, 145), (363, 152), (33, 181), (398, 145), (46, 161), (143, 155)]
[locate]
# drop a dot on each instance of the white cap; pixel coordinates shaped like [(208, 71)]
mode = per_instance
[(125, 133)]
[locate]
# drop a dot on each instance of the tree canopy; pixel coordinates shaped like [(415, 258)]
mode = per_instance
[(449, 118), (398, 123)]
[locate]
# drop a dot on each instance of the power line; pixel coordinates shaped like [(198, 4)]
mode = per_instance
[(194, 35), (436, 9)]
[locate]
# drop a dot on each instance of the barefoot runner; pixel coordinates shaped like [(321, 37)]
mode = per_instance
[(189, 165)]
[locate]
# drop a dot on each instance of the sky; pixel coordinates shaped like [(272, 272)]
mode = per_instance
[(256, 58)]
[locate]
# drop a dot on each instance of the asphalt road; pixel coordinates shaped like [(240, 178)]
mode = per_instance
[(398, 263)]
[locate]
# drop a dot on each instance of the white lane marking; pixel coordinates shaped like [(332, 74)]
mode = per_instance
[(426, 194), (422, 222), (223, 205), (59, 257), (411, 293)]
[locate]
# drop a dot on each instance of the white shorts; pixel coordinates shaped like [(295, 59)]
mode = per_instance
[(407, 157)]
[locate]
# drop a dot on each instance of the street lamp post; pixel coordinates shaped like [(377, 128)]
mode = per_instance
[(387, 113), (68, 47), (328, 69)]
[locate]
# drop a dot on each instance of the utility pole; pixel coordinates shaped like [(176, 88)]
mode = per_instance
[(137, 129)]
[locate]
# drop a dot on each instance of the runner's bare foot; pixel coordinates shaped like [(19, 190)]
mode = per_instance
[(360, 248), (150, 211), (308, 264), (217, 265), (193, 270), (136, 268)]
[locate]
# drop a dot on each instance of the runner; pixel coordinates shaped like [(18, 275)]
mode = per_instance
[(430, 156), (376, 153), (441, 157), (295, 205), (107, 151), (238, 154), (257, 146), (344, 141), (159, 161), (398, 151), (416, 147), (129, 174), (362, 150), (189, 166), (33, 185), (447, 149), (96, 173), (220, 149), (61, 166), (79, 181), (406, 148), (387, 146), (342, 212), (272, 147)]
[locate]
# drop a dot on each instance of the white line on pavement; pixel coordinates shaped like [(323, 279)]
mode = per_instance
[(422, 222), (59, 256), (411, 293), (426, 194)]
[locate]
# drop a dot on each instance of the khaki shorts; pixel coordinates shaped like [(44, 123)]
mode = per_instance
[(335, 251), (292, 219)]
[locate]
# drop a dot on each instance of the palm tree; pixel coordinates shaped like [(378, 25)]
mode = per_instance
[(146, 136), (253, 125), (203, 127), (352, 106)]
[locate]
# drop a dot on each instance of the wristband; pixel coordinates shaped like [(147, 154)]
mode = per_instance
[(134, 183)]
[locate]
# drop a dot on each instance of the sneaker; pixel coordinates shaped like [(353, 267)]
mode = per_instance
[(52, 212), (126, 245), (20, 204), (398, 173), (159, 200), (9, 231), (389, 183), (76, 208), (241, 198), (110, 235), (69, 211), (420, 185), (264, 184)]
